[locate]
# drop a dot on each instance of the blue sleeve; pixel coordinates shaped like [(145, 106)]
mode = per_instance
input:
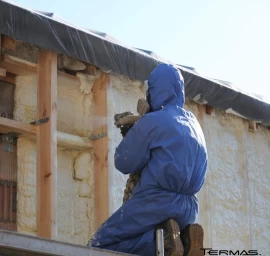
[(133, 152)]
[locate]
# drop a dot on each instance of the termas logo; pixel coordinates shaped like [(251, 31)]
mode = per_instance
[(209, 251)]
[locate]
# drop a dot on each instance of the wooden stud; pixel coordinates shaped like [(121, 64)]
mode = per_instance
[(47, 145), (253, 126), (8, 42), (100, 148), (201, 111)]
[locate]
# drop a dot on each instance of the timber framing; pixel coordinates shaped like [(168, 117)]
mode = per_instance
[(8, 42), (23, 130), (16, 66), (47, 145), (100, 148), (9, 78), (8, 125)]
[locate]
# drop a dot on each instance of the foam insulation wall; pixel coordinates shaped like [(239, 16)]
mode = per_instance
[(123, 95), (234, 202), (75, 202)]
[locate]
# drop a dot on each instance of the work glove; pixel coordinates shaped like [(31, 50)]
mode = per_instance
[(124, 129)]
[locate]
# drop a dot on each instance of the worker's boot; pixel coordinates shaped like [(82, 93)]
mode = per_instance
[(172, 242), (192, 239)]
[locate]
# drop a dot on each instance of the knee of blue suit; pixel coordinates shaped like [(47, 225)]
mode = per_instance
[(169, 146)]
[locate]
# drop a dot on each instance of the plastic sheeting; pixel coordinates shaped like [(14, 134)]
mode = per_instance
[(168, 145), (48, 31)]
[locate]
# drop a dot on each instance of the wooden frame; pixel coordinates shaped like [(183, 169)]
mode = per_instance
[(209, 110), (48, 137), (17, 66), (9, 78), (8, 42), (100, 147), (8, 125), (47, 145)]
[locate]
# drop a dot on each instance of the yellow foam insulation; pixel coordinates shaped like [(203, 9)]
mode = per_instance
[(75, 213), (74, 107), (234, 202), (123, 95)]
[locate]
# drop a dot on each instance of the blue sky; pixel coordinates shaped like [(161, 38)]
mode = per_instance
[(223, 39)]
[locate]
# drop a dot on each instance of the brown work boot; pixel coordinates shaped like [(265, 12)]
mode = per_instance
[(192, 239), (172, 242)]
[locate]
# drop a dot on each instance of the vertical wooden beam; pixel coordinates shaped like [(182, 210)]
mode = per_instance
[(8, 42), (47, 145), (100, 147), (252, 126), (201, 111), (209, 110)]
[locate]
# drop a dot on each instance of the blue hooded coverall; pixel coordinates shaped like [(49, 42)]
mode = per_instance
[(169, 146)]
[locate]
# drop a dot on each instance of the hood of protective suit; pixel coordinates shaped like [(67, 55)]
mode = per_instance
[(166, 87)]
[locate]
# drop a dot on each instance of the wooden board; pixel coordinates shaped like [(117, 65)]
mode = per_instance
[(18, 66), (8, 125), (21, 67), (100, 148), (9, 78), (47, 145), (8, 42)]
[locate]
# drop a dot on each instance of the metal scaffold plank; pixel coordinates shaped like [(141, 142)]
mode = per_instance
[(16, 244)]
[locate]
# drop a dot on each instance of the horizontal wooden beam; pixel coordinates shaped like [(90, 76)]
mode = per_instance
[(18, 66), (9, 125), (9, 78), (22, 67), (65, 140)]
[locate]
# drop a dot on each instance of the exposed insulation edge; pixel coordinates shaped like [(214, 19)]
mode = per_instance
[(72, 141)]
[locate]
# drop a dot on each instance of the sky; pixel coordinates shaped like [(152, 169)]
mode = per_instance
[(223, 39)]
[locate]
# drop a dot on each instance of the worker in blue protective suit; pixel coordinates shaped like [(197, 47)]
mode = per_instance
[(169, 146)]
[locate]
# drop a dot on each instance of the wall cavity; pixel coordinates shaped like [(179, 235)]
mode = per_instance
[(26, 194), (75, 186)]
